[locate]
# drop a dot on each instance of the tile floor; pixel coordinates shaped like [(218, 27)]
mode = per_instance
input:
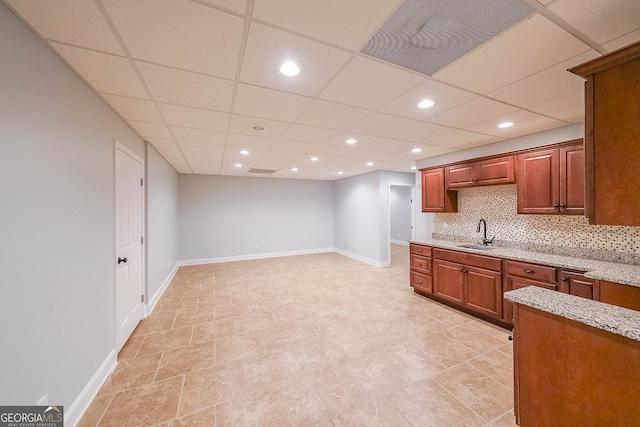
[(307, 340)]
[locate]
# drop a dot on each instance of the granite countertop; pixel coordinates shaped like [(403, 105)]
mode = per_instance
[(611, 318), (625, 274)]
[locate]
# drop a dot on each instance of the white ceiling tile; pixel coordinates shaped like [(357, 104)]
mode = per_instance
[(180, 165), (602, 21), (331, 115), (380, 124), (461, 139), (198, 135), (268, 48), (199, 157), (180, 34), (333, 21), (205, 168), (261, 102), (236, 5), (444, 96), (524, 49), (624, 41), (232, 156), (476, 111), (200, 147), (185, 88), (422, 131), (271, 163), (330, 150), (134, 108), (353, 86), (150, 130), (295, 146), (434, 150), (198, 118), (569, 108), (244, 125), (284, 155), (546, 85), (249, 141), (163, 144), (525, 122), (308, 133), (105, 73), (76, 22)]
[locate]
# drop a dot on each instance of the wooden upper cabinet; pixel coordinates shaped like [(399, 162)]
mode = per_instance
[(538, 180), (484, 172), (434, 196), (551, 181), (612, 132), (572, 180)]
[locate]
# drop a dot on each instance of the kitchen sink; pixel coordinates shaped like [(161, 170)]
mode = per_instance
[(478, 247)]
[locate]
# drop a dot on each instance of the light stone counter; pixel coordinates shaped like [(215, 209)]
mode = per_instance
[(611, 318), (625, 274)]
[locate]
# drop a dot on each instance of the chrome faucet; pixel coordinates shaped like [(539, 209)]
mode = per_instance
[(485, 241)]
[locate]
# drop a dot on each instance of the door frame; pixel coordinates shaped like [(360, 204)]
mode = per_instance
[(413, 215), (118, 146)]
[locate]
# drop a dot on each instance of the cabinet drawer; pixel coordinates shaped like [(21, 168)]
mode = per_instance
[(421, 264), (464, 258), (421, 282), (530, 271), (420, 250)]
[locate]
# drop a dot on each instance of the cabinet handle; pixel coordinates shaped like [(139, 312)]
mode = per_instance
[(419, 250), (562, 205), (555, 205), (564, 279), (529, 271), (461, 270)]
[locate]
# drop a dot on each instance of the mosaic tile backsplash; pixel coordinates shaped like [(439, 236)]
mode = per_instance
[(561, 234)]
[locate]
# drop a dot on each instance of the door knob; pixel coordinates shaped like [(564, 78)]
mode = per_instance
[(120, 260)]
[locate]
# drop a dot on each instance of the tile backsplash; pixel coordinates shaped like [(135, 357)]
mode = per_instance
[(563, 234)]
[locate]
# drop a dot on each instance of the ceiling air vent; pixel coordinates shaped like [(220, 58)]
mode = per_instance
[(262, 171), (427, 35)]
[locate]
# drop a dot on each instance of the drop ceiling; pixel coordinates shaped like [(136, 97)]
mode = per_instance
[(200, 79)]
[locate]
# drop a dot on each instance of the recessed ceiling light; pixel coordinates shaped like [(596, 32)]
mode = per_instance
[(351, 141), (244, 152), (294, 169), (238, 165), (258, 128), (289, 69), (413, 168), (340, 173), (416, 150), (314, 159), (505, 125), (426, 103), (369, 163)]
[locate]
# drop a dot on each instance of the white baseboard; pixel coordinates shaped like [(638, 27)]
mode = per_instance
[(400, 242), (249, 257), (73, 415), (362, 259), (149, 306)]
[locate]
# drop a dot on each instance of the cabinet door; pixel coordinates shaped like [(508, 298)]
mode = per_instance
[(434, 196), (484, 291), (576, 284), (421, 282), (537, 177), (458, 176), (448, 281), (572, 180), (512, 283), (495, 171)]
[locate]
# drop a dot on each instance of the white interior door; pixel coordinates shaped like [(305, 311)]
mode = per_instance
[(128, 259)]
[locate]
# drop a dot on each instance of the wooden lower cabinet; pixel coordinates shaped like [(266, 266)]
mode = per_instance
[(575, 283), (420, 268), (620, 295), (476, 289), (421, 282), (570, 374), (512, 283)]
